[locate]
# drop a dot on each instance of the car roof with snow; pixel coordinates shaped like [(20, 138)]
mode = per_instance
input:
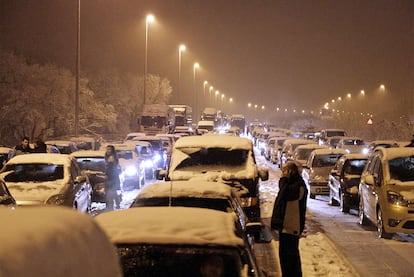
[(329, 151), (54, 241), (46, 158), (88, 153), (311, 145), (395, 152), (154, 225), (186, 189), (214, 141)]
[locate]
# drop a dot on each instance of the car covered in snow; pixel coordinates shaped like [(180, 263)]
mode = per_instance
[(150, 243), (201, 194), (54, 241), (47, 179), (227, 159), (317, 169), (386, 191), (6, 199)]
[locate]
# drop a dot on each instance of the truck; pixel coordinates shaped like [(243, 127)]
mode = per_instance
[(182, 115), (209, 113), (156, 119), (238, 120)]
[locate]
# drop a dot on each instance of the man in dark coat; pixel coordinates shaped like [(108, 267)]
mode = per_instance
[(112, 183), (289, 218)]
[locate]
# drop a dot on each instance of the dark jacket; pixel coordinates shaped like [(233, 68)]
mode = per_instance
[(112, 173), (291, 191)]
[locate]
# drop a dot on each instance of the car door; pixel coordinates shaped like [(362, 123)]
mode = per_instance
[(371, 190), (82, 188), (335, 178)]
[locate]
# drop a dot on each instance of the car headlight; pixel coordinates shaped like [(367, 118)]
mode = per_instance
[(130, 171), (57, 200), (248, 201), (396, 199), (148, 164), (156, 158), (365, 151)]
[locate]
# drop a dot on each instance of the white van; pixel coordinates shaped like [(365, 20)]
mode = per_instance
[(54, 241)]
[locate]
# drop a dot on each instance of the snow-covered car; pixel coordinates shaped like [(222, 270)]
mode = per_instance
[(289, 145), (381, 143), (47, 179), (64, 146), (150, 243), (386, 191), (92, 163), (352, 145), (227, 159), (54, 241), (302, 152), (159, 155), (317, 169), (6, 199), (132, 174), (344, 181), (147, 158), (201, 194), (327, 133)]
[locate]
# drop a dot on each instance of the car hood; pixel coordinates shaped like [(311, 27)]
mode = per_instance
[(406, 189), (321, 171)]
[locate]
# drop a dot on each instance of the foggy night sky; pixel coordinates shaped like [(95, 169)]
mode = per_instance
[(295, 54)]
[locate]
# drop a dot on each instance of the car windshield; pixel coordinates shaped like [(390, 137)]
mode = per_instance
[(354, 167), (208, 203), (33, 172), (213, 156), (326, 160), (303, 154), (171, 260), (335, 133), (402, 168), (91, 163)]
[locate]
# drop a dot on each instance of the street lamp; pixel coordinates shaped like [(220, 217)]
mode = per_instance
[(150, 18), (209, 93), (222, 97), (195, 67), (215, 95), (181, 49)]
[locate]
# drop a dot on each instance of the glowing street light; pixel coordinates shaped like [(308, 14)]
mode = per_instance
[(209, 93), (204, 88), (181, 49), (362, 92), (249, 105), (216, 95), (150, 19)]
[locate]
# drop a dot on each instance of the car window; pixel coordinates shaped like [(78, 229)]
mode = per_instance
[(354, 167), (33, 172), (214, 156), (124, 154), (326, 160), (402, 168), (223, 205), (91, 163)]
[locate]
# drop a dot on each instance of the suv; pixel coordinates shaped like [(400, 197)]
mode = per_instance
[(386, 191), (228, 159)]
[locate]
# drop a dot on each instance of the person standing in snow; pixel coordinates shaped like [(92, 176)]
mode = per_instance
[(289, 218), (112, 183)]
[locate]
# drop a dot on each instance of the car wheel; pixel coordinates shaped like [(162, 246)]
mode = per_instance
[(380, 226), (362, 218), (344, 206), (332, 200), (312, 196)]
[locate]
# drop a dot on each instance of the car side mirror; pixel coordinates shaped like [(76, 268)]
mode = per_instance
[(369, 180), (160, 174), (264, 174)]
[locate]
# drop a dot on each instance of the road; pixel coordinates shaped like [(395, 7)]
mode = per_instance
[(356, 244)]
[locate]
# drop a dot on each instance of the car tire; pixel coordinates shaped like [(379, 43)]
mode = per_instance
[(362, 218), (332, 200), (344, 206), (380, 226)]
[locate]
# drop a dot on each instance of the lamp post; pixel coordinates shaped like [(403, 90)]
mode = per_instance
[(204, 88), (215, 96), (195, 67), (150, 18), (181, 49), (222, 98), (209, 94), (77, 71)]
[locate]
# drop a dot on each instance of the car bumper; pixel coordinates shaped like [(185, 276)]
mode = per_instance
[(399, 219), (319, 188)]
